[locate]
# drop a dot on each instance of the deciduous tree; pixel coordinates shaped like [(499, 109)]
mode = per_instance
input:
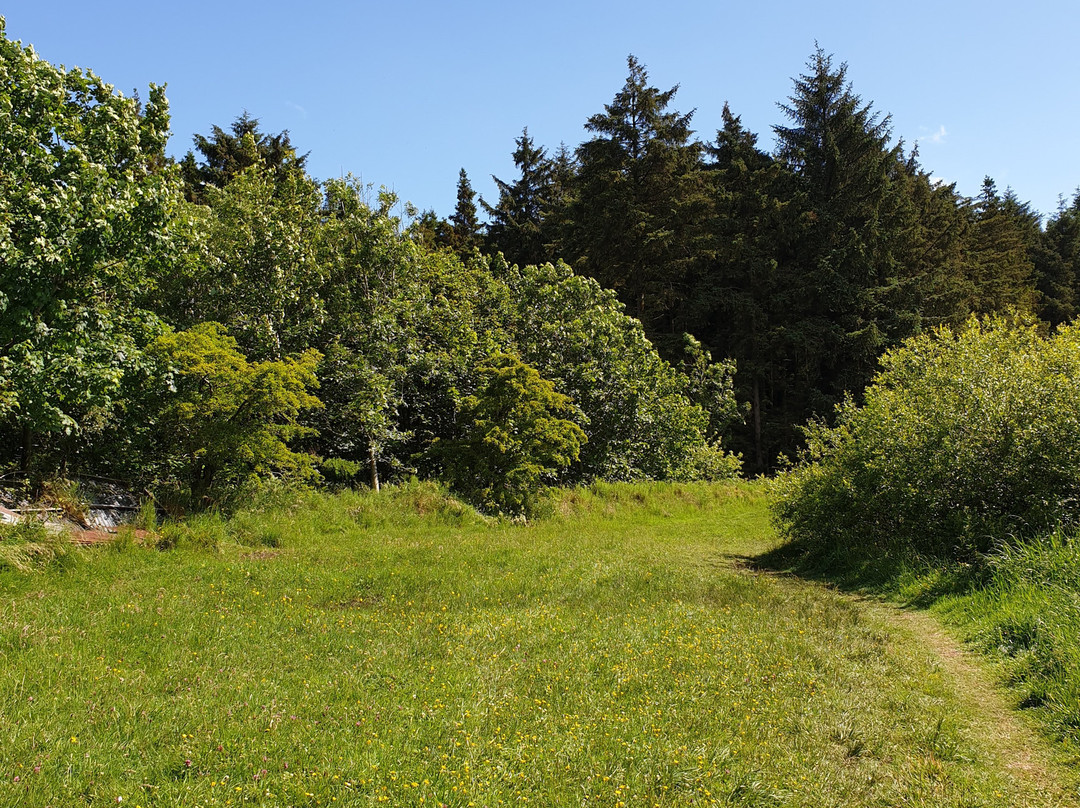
[(84, 209)]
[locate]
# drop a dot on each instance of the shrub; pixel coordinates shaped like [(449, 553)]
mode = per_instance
[(514, 438), (966, 439), (226, 417), (340, 473)]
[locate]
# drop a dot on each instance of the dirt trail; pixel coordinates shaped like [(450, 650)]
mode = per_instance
[(1007, 734)]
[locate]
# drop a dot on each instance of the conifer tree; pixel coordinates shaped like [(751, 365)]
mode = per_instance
[(556, 224), (999, 268), (743, 298), (853, 282), (1057, 265), (640, 205), (464, 224), (226, 154), (517, 218)]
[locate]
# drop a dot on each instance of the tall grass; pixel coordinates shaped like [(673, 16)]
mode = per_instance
[(1027, 615), (29, 546)]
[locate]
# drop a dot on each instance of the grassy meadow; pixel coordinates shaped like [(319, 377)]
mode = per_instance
[(399, 649)]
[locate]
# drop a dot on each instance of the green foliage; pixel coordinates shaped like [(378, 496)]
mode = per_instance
[(513, 438), (516, 227), (84, 206), (639, 203), (710, 385), (742, 298), (65, 495), (1057, 264), (252, 263), (464, 232), (339, 473), (228, 154), (998, 271), (967, 440), (403, 327), (412, 504), (851, 297), (225, 415), (632, 405)]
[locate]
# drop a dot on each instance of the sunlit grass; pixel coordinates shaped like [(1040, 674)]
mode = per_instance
[(400, 649)]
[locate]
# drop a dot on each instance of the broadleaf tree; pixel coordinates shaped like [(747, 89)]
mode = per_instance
[(84, 211)]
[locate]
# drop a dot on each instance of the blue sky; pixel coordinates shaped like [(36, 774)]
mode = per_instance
[(405, 94)]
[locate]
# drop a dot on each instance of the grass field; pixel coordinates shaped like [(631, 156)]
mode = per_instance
[(398, 649)]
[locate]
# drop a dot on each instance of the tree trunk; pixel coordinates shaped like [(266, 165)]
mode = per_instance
[(755, 403), (374, 467), (27, 448), (201, 481)]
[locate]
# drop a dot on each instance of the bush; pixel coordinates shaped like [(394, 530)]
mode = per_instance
[(966, 440), (340, 473), (514, 439)]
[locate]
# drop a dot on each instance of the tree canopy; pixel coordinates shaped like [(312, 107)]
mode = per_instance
[(636, 306)]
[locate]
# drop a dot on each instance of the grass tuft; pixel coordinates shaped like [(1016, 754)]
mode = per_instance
[(29, 546)]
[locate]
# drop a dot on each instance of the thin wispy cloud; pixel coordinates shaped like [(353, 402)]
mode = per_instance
[(936, 137), (297, 107)]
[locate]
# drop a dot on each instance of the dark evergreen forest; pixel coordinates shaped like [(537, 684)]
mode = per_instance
[(647, 305)]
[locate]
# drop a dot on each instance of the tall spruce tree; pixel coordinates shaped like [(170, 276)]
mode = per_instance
[(556, 225), (1057, 265), (224, 154), (464, 224), (516, 223), (640, 205), (853, 281), (744, 295), (1000, 272)]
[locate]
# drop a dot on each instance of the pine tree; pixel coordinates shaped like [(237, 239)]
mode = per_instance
[(1057, 265), (225, 154), (516, 223), (854, 284), (999, 268), (557, 228), (743, 298)]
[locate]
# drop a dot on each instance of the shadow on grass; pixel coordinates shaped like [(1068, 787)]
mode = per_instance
[(912, 580)]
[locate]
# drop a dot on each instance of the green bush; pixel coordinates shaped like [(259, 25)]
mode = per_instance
[(340, 473), (513, 441), (966, 440)]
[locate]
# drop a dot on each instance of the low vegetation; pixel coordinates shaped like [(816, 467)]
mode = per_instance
[(967, 440), (1024, 613), (400, 648)]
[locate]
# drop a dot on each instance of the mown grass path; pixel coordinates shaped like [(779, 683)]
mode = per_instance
[(398, 651)]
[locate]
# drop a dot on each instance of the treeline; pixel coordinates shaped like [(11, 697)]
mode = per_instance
[(200, 326), (803, 264)]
